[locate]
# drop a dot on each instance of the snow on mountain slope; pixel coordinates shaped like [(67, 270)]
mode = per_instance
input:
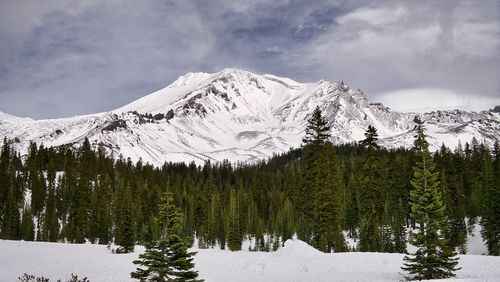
[(7, 117), (241, 116)]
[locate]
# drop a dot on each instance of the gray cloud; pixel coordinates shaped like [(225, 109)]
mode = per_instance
[(62, 58)]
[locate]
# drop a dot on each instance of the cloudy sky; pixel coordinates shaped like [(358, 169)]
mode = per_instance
[(61, 58)]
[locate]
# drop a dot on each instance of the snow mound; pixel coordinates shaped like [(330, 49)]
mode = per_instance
[(297, 249)]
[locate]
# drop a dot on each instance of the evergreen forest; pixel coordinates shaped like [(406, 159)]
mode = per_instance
[(322, 193)]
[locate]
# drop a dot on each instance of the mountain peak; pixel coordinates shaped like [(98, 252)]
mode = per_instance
[(241, 116), (8, 117), (233, 70)]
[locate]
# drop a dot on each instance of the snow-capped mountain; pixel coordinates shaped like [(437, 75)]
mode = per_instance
[(241, 116)]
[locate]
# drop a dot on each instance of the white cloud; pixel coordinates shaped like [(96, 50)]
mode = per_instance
[(374, 16), (427, 99), (385, 47), (113, 51), (101, 55)]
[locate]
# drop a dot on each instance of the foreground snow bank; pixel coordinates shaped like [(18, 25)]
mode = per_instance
[(58, 261), (296, 261)]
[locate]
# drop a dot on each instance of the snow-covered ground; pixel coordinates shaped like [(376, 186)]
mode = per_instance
[(296, 261)]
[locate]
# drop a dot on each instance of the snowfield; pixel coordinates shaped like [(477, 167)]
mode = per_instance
[(296, 261)]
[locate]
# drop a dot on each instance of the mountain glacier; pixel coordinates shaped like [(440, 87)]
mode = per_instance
[(241, 116)]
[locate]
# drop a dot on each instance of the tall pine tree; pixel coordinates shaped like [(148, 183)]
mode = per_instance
[(125, 227), (371, 196), (433, 258), (313, 173), (327, 226), (490, 198)]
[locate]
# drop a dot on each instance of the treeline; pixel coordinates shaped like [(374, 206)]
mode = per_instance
[(319, 192)]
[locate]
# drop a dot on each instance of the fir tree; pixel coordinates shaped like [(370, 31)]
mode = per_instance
[(327, 226), (168, 258), (51, 224), (5, 179), (490, 197), (433, 258), (80, 185), (371, 138), (233, 224), (27, 225), (396, 203), (51, 221), (314, 173), (10, 227), (398, 225), (317, 130), (100, 223), (453, 198), (125, 229), (215, 221), (319, 201), (371, 196), (352, 208), (286, 220)]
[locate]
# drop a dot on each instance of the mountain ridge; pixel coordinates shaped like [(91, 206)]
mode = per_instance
[(241, 116)]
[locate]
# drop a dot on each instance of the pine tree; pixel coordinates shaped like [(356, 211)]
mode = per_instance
[(233, 223), (168, 258), (5, 179), (371, 138), (313, 174), (317, 130), (27, 225), (319, 200), (453, 198), (398, 228), (80, 187), (100, 216), (65, 189), (371, 196), (327, 226), (352, 207), (125, 225), (215, 221), (433, 258), (51, 222), (396, 207), (10, 227), (286, 220), (490, 198)]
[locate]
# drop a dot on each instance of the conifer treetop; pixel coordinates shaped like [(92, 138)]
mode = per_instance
[(167, 259), (420, 144), (371, 138), (317, 130)]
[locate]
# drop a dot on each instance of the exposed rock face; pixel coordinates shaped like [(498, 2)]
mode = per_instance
[(169, 115), (114, 125)]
